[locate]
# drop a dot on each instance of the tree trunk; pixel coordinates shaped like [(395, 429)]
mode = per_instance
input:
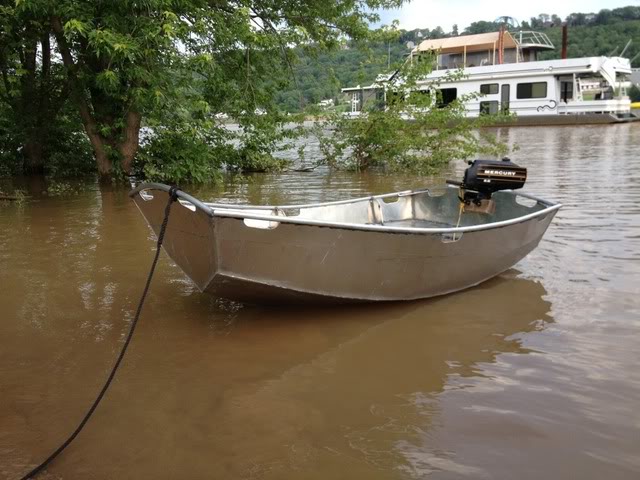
[(101, 151), (33, 153), (129, 145), (36, 107), (93, 109)]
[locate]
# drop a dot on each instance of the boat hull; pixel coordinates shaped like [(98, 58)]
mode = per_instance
[(230, 257), (571, 119)]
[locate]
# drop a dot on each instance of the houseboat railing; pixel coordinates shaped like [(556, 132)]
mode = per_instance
[(531, 39)]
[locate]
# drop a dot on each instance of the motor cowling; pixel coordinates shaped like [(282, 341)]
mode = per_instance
[(490, 176), (485, 177)]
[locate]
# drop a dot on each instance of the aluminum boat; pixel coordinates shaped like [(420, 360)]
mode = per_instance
[(397, 246)]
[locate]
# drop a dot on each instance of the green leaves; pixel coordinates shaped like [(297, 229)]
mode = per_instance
[(411, 131), (107, 80), (113, 46), (75, 27), (181, 154), (178, 67)]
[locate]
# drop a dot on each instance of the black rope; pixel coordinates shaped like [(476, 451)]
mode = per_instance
[(172, 198)]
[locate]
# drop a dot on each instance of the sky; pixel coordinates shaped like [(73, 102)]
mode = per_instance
[(444, 13)]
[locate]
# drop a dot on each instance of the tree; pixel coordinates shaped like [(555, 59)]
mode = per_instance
[(545, 19), (454, 30), (437, 33), (481, 27), (604, 16), (127, 61), (576, 19), (415, 129), (32, 90)]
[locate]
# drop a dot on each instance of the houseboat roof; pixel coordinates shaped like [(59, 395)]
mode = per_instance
[(478, 42), (608, 67)]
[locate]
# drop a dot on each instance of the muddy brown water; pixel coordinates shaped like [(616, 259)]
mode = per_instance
[(534, 374)]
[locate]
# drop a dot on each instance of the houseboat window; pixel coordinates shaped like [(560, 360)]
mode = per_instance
[(566, 90), (488, 108), (446, 96), (489, 88), (531, 90), (505, 97)]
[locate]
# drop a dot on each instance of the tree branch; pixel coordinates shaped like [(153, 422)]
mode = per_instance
[(78, 95), (249, 85), (46, 54), (76, 89), (283, 49), (7, 86)]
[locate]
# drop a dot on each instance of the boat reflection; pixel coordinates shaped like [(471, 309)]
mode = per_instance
[(279, 392)]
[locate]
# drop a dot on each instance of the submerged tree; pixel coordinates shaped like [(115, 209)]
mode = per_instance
[(33, 91), (412, 125), (179, 63)]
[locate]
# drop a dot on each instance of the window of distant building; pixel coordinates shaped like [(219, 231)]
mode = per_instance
[(489, 88), (446, 96), (531, 90), (488, 108)]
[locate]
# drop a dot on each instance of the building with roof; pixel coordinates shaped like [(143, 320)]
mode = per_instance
[(500, 72), (484, 49)]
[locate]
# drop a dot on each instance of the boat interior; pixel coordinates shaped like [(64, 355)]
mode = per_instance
[(437, 208)]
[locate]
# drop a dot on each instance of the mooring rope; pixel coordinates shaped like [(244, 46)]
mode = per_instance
[(460, 212), (172, 198)]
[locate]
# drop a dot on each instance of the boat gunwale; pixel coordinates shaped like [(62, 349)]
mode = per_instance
[(227, 211)]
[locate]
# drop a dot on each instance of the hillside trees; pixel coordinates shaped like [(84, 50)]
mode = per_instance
[(594, 40), (481, 27)]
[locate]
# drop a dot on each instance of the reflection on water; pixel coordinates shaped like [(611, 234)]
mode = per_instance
[(533, 372)]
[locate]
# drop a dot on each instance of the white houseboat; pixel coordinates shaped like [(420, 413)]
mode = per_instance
[(504, 68)]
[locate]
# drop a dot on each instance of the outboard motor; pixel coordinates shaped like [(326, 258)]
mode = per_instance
[(485, 177)]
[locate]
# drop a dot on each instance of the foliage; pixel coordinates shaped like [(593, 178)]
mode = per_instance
[(321, 76), (185, 146), (69, 152), (17, 197), (66, 151), (257, 144), (414, 131), (481, 27), (179, 155), (634, 93), (589, 41), (32, 93), (187, 143), (61, 188), (128, 63), (79, 79), (10, 161)]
